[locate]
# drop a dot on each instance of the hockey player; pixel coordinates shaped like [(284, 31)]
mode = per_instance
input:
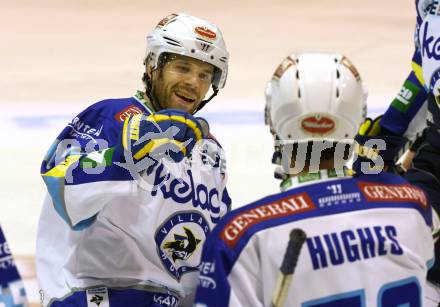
[(368, 239), (135, 184), (12, 292), (407, 113), (416, 107)]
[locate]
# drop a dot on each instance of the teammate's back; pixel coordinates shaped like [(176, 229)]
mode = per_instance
[(360, 246), (368, 238)]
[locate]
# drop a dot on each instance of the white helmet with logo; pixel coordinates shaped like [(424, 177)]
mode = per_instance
[(193, 37), (315, 96)]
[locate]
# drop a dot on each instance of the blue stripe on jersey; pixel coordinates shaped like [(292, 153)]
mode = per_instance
[(55, 187)]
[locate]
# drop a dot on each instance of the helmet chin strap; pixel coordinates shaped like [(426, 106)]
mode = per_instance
[(204, 102)]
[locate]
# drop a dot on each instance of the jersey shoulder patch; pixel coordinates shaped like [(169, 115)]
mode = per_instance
[(118, 109)]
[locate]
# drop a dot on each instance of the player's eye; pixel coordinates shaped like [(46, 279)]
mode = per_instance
[(182, 68), (205, 77)]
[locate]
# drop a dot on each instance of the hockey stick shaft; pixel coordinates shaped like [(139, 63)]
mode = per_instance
[(297, 238)]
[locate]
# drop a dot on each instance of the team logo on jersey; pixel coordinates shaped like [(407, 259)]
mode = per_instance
[(178, 241), (205, 33), (317, 124), (97, 297), (166, 20), (183, 246)]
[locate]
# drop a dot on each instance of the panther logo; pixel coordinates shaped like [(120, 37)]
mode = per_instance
[(177, 241), (183, 246), (97, 299)]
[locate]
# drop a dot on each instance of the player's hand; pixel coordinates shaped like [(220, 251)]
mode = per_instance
[(168, 133), (375, 152)]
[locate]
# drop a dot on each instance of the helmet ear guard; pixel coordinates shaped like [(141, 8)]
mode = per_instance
[(204, 102)]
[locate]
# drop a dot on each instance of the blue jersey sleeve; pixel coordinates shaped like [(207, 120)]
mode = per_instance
[(84, 152), (406, 105), (85, 132), (213, 286)]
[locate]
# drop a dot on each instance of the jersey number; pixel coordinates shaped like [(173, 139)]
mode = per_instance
[(405, 292)]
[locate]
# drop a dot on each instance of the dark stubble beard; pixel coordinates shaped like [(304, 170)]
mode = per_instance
[(155, 101)]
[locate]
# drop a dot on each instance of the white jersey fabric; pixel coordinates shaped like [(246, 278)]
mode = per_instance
[(369, 243), (102, 227), (414, 108), (428, 38)]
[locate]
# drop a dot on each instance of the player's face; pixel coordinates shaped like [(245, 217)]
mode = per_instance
[(182, 83)]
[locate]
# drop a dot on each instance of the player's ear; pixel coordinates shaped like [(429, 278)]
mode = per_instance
[(149, 71), (148, 67)]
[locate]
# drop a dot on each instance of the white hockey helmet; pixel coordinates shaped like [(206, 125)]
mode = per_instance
[(315, 96), (193, 37)]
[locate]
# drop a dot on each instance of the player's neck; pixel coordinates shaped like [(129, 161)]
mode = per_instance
[(323, 165), (312, 177), (150, 103), (309, 174)]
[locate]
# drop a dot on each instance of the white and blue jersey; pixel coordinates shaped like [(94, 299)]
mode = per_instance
[(12, 292), (416, 105), (368, 243), (139, 237)]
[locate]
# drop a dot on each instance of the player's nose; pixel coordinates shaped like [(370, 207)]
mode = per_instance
[(192, 83)]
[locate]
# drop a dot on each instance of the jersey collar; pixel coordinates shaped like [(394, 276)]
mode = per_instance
[(323, 174), (139, 96)]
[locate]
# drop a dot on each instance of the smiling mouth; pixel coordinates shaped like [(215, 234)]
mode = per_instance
[(185, 97)]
